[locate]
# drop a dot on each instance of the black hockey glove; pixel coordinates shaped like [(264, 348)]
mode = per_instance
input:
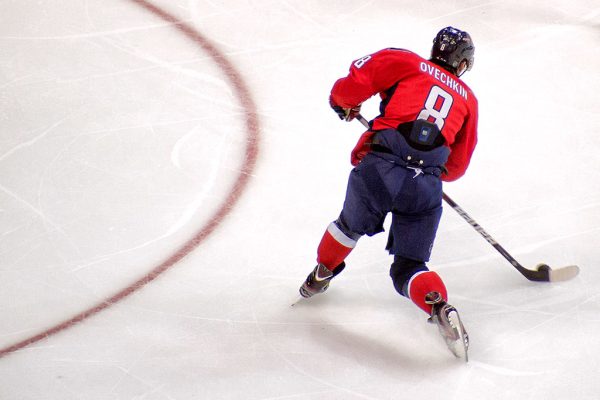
[(346, 114)]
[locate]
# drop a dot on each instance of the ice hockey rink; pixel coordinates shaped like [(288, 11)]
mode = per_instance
[(167, 169)]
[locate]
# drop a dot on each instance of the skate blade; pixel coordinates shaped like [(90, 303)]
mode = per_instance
[(459, 346), (299, 298)]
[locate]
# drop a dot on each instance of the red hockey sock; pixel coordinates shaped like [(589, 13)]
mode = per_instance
[(422, 283), (334, 247)]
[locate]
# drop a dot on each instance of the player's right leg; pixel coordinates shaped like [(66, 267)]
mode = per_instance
[(412, 279), (426, 289), (446, 317)]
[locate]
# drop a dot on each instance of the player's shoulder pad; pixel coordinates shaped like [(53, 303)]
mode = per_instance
[(394, 53), (406, 51), (395, 50), (470, 91)]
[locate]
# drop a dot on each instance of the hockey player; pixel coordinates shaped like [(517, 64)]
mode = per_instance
[(425, 134)]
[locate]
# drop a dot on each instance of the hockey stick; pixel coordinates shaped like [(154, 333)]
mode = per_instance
[(541, 273)]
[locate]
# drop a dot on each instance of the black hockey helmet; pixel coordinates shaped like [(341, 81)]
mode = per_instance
[(450, 47)]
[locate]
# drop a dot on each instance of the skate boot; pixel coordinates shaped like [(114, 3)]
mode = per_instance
[(318, 280), (449, 324)]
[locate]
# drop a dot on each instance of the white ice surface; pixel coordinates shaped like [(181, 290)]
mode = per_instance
[(120, 137)]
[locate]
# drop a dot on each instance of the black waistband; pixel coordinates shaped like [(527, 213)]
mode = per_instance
[(418, 168), (407, 129), (428, 161)]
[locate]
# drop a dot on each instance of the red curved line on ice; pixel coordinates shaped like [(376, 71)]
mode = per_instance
[(248, 164)]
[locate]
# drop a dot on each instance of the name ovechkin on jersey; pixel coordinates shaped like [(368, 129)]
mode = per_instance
[(444, 78)]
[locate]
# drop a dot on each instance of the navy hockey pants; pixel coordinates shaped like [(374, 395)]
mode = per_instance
[(403, 181)]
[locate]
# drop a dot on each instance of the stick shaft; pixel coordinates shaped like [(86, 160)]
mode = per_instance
[(529, 274), (363, 121)]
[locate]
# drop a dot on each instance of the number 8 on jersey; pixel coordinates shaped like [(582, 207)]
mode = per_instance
[(437, 106)]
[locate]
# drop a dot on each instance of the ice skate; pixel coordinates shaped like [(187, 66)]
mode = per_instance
[(318, 280), (449, 324)]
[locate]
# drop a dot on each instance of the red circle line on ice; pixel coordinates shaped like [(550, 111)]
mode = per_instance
[(232, 197)]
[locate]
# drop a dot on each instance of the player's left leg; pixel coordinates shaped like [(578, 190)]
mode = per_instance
[(337, 242), (318, 280), (365, 207)]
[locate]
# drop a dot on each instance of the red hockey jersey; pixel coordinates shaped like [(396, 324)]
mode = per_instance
[(414, 88)]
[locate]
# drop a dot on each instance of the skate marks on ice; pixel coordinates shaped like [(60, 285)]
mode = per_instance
[(312, 377), (249, 158)]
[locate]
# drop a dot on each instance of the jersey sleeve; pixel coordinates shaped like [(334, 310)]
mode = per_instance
[(463, 147), (368, 76)]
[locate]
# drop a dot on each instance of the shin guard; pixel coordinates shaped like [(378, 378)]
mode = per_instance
[(423, 283), (334, 247)]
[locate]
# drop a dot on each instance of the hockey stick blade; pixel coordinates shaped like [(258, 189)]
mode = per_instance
[(560, 274), (543, 273)]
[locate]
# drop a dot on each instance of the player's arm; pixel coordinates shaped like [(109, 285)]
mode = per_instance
[(462, 148), (368, 76)]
